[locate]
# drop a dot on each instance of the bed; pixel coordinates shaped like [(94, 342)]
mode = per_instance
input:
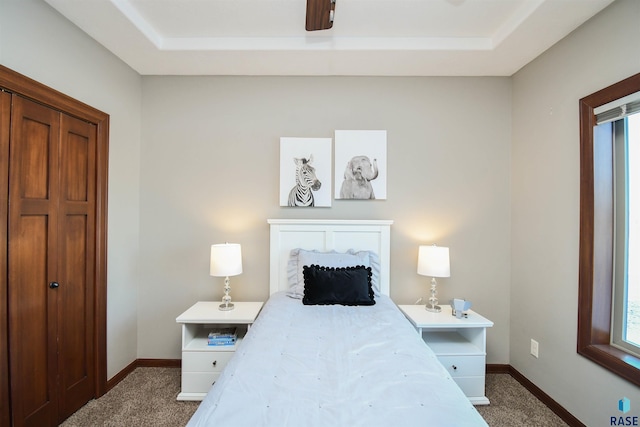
[(332, 364)]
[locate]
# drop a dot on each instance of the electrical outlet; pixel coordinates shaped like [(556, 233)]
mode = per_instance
[(534, 348)]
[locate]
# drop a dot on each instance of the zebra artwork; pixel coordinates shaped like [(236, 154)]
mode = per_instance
[(306, 181)]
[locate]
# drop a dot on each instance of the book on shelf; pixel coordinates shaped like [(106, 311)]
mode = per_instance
[(221, 342), (222, 336), (223, 333)]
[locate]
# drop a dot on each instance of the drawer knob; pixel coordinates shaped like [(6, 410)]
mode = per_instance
[(215, 362), (455, 368)]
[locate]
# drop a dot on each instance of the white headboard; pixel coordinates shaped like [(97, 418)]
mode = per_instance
[(327, 235)]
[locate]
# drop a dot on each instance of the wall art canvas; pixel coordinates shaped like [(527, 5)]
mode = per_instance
[(305, 172), (361, 164)]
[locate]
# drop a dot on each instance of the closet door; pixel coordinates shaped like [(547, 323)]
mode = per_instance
[(76, 264), (51, 267), (33, 240)]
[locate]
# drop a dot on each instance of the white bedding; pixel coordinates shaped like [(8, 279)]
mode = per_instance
[(334, 366)]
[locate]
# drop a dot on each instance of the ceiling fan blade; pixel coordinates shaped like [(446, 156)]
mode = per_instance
[(320, 14)]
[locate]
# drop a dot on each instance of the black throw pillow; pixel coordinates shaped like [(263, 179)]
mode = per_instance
[(342, 285)]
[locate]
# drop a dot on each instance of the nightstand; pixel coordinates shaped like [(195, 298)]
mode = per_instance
[(202, 363), (459, 344)]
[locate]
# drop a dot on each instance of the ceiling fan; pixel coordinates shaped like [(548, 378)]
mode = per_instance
[(320, 14)]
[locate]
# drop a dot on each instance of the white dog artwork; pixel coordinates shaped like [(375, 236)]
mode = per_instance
[(358, 174), (361, 164)]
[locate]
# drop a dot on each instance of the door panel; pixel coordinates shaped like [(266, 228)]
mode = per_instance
[(32, 244), (33, 369), (77, 264), (75, 326), (78, 156)]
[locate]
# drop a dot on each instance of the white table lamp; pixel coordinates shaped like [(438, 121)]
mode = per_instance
[(433, 261), (226, 260)]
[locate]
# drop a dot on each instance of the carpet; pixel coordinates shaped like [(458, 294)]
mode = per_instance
[(147, 398)]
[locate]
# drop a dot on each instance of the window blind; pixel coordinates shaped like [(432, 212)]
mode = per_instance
[(619, 111)]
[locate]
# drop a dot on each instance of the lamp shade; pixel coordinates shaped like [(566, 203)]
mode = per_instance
[(226, 260), (433, 261)]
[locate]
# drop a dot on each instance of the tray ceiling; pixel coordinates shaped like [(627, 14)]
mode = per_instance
[(369, 37)]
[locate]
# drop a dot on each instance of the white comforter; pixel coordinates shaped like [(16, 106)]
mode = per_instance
[(334, 366)]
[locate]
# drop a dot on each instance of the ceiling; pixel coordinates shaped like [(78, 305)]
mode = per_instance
[(369, 37)]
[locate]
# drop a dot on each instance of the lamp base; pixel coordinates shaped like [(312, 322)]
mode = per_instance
[(433, 309), (226, 307), (433, 301), (226, 299)]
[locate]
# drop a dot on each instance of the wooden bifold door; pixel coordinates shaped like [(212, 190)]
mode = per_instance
[(54, 272)]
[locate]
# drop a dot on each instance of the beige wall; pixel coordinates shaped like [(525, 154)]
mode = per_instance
[(210, 172), (37, 42), (545, 209)]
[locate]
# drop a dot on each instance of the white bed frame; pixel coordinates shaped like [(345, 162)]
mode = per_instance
[(327, 235)]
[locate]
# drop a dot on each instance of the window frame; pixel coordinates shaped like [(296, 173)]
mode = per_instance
[(595, 271)]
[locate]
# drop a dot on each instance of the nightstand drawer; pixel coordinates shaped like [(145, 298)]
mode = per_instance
[(464, 366), (198, 382), (205, 361)]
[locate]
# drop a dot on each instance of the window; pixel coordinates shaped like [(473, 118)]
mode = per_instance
[(608, 284), (632, 321), (626, 286)]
